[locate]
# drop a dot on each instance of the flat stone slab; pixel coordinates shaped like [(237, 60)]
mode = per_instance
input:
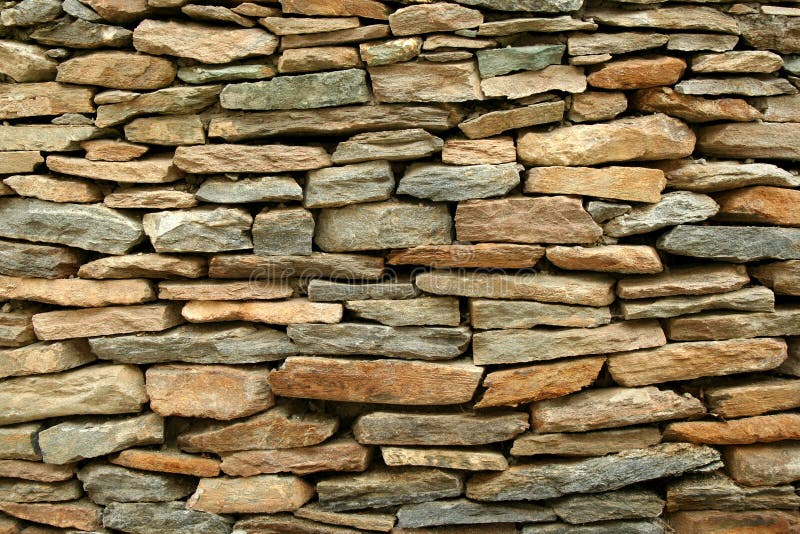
[(732, 243)]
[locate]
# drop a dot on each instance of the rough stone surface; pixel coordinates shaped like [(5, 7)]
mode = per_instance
[(342, 454), (619, 504), (107, 483), (394, 145), (167, 462), (475, 459), (163, 517), (694, 108), (565, 78), (699, 280), (728, 243), (715, 491), (496, 122), (454, 183), (622, 183), (746, 299), (203, 229), (761, 428), (118, 70), (426, 82), (211, 159), (637, 73), (481, 255), (165, 101), (40, 358), (597, 443), (465, 512), (628, 259), (260, 493), (108, 320)]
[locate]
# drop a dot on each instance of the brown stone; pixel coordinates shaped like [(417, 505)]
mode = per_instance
[(213, 290), (16, 325), (462, 459), (282, 312), (81, 514), (347, 266), (318, 58), (338, 37), (21, 100), (627, 259), (301, 25), (108, 150), (753, 397), (426, 82), (257, 494), (209, 159), (611, 408), (110, 320), (20, 161), (54, 189), (761, 428), (493, 313), (23, 62), (716, 491), (154, 197), (428, 18), (623, 183), (367, 520), (169, 131), (342, 454), (596, 443), (763, 464), (35, 471), (597, 106), (761, 205), (729, 325), (380, 381), (719, 522), (40, 358), (637, 73), (496, 122), (145, 266), (349, 8), (565, 78), (76, 292), (490, 151), (693, 108), (744, 61), (496, 255), (17, 442), (118, 70), (522, 385), (167, 462), (20, 490), (154, 170), (700, 280), (782, 276), (762, 140)]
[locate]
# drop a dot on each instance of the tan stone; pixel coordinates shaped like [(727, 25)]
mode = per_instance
[(336, 8), (753, 397), (81, 514), (257, 494), (700, 280), (54, 189), (761, 428), (145, 266), (110, 320), (496, 122), (780, 108), (462, 459), (671, 18), (717, 491), (301, 25), (426, 82), (17, 442), (782, 276), (23, 62), (537, 382), (154, 197), (208, 159), (20, 161), (596, 443), (493, 313), (318, 58), (39, 358), (214, 290), (721, 522), (438, 17), (167, 462), (498, 255), (611, 408), (338, 37), (172, 100), (598, 43), (693, 108), (624, 183), (597, 106), (763, 140), (490, 151), (118, 70), (534, 24), (348, 266), (154, 170), (685, 361), (650, 137), (764, 464), (342, 454), (20, 100), (388, 52), (291, 311), (16, 325), (729, 325), (120, 11), (745, 61), (627, 259), (216, 14), (76, 292), (637, 73), (761, 205), (565, 78), (108, 150), (382, 381), (169, 131), (367, 520), (408, 312), (35, 471)]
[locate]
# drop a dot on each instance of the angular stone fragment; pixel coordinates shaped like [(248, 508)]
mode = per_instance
[(109, 150), (320, 290), (162, 517), (167, 462), (454, 183), (491, 151), (426, 82), (624, 183), (499, 61), (675, 208), (208, 74), (287, 522), (23, 62), (82, 34), (16, 326), (109, 320), (746, 299), (581, 44), (637, 73), (747, 86), (761, 428), (347, 266), (354, 35), (699, 280), (117, 70), (383, 487), (28, 491), (38, 261), (339, 186), (54, 189), (20, 161), (216, 14), (746, 61), (144, 266), (300, 60), (753, 397), (465, 512), (496, 122), (394, 145), (629, 259), (342, 454), (47, 137), (379, 381), (763, 464), (408, 312), (37, 471), (555, 478), (477, 459), (671, 18), (428, 18), (82, 514), (40, 358), (37, 99), (120, 11), (72, 441), (208, 159), (565, 78), (283, 232), (257, 189), (261, 493), (612, 408), (693, 108), (596, 106), (173, 100), (717, 491), (732, 243), (110, 483), (596, 443), (781, 276), (620, 504), (760, 204), (388, 52), (17, 441), (481, 255)]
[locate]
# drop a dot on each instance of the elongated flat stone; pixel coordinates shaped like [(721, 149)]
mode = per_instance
[(628, 259), (396, 145), (260, 493), (367, 520), (388, 52), (54, 189), (493, 313), (351, 184), (282, 312), (283, 231), (559, 477), (729, 325), (167, 131), (744, 431), (23, 62), (303, 25), (623, 183), (257, 189), (108, 320), (694, 108), (173, 100), (336, 266), (476, 459), (670, 18), (423, 311), (702, 520), (164, 517), (767, 464), (202, 229), (566, 78), (358, 8), (491, 151), (40, 358), (106, 483), (29, 491), (47, 137), (199, 74), (72, 441), (780, 108), (38, 99), (384, 381), (637, 72), (20, 161), (426, 82), (597, 106), (499, 61), (496, 122), (693, 42), (597, 443), (698, 280), (612, 408), (753, 397), (497, 255), (117, 70), (534, 24), (78, 33), (320, 290), (287, 522), (718, 492), (677, 207), (750, 140), (209, 159), (336, 37), (745, 61), (82, 514), (454, 183), (759, 85), (619, 504), (430, 18), (465, 512), (709, 177), (759, 299), (167, 462), (144, 266), (732, 243), (76, 292), (581, 44), (759, 205), (38, 471), (343, 454)]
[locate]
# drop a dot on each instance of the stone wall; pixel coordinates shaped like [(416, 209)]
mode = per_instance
[(340, 266)]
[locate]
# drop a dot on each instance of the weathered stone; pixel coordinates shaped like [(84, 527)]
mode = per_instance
[(465, 512), (20, 161), (719, 521), (624, 183), (499, 61), (781, 276), (392, 51), (320, 290), (699, 280), (381, 381), (490, 151), (675, 208), (144, 266), (117, 70), (40, 358), (746, 299), (408, 312), (597, 106), (37, 99), (48, 137), (477, 459), (383, 487), (109, 320), (343, 454), (37, 471), (780, 108), (169, 131), (82, 514), (82, 34), (729, 243), (763, 464), (394, 145), (671, 18), (109, 150), (534, 24), (30, 13), (281, 312), (723, 175), (209, 74), (492, 313), (753, 397), (110, 483), (257, 189), (38, 261), (17, 441), (581, 44), (261, 493), (497, 255), (748, 86), (426, 82), (350, 184), (596, 443), (209, 159), (54, 189), (516, 346), (89, 438), (354, 35), (300, 60), (612, 408), (496, 122), (746, 61), (558, 477), (637, 73), (151, 518), (693, 42), (203, 229), (761, 428), (353, 8), (159, 169), (302, 25), (16, 325), (547, 6), (428, 18), (120, 11), (693, 108), (346, 266), (281, 427), (603, 211), (24, 62), (620, 504), (454, 183), (283, 231), (153, 197), (629, 259), (286, 522), (173, 100), (771, 32), (367, 520), (167, 462), (649, 137), (216, 14), (715, 491), (759, 204), (565, 78), (750, 140), (730, 325), (28, 491)]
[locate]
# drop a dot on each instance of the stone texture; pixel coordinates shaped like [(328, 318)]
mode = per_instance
[(151, 197), (354, 35), (394, 145), (490, 151), (716, 521), (746, 299), (495, 122), (347, 266), (628, 259), (581, 44), (534, 24), (261, 493), (16, 325), (428, 311), (763, 464), (597, 443), (108, 320), (597, 106), (670, 18), (693, 42), (476, 459), (203, 229), (342, 454), (492, 313), (499, 61), (350, 184), (384, 381), (772, 32), (732, 243), (209, 159), (47, 137), (168, 131), (675, 208), (747, 86), (82, 514), (299, 60), (481, 255), (465, 512), (302, 25), (781, 276), (746, 61), (433, 18), (202, 74), (392, 51), (352, 8), (105, 483), (23, 62), (45, 187), (637, 73), (698, 280), (454, 183), (380, 521), (624, 183), (158, 169), (117, 70), (564, 78), (144, 266), (38, 99), (40, 358), (38, 261), (709, 177), (245, 190), (715, 491), (426, 82), (620, 504), (20, 161), (693, 108), (17, 441), (171, 100), (150, 518), (283, 232), (26, 470), (759, 204), (167, 462), (75, 292), (729, 325), (109, 150), (28, 491), (761, 428), (780, 108), (320, 290)]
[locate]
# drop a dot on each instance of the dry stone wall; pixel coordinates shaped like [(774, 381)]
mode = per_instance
[(340, 266)]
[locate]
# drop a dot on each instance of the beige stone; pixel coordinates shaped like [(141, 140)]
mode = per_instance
[(622, 183), (494, 313), (23, 62), (365, 519), (426, 82), (753, 397), (257, 494), (209, 159), (338, 37), (714, 521), (670, 18), (437, 17), (341, 454), (462, 459), (565, 78), (145, 266), (693, 108), (597, 106), (730, 325), (167, 462), (281, 312), (490, 151), (762, 140), (627, 259), (318, 58), (118, 70), (21, 100), (54, 189), (637, 73), (761, 205), (154, 170), (108, 150), (496, 122), (20, 161), (35, 471), (169, 131), (153, 197), (782, 276), (744, 431), (172, 100), (597, 443), (76, 292), (497, 255), (110, 320), (301, 25), (699, 280), (219, 290), (82, 514), (347, 266), (764, 464), (39, 358), (745, 61)]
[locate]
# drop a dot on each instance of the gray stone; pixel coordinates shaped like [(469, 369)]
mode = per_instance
[(24, 62), (538, 6), (306, 91), (670, 18), (534, 24), (695, 42), (407, 342), (350, 184), (80, 11), (47, 137), (28, 491), (72, 441), (203, 229), (493, 313), (631, 526), (466, 512), (715, 491), (597, 443), (83, 34), (620, 504), (382, 225), (713, 176), (767, 140), (423, 311), (756, 298), (210, 74), (320, 290), (678, 207), (393, 145), (554, 478), (458, 182), (772, 32), (792, 64), (30, 13), (388, 52), (16, 326), (732, 243), (173, 100), (780, 108), (747, 86), (222, 190), (581, 44), (90, 227), (157, 518), (730, 325), (283, 232), (39, 358), (499, 61), (455, 81), (338, 266), (106, 483), (214, 343), (38, 261), (603, 211)]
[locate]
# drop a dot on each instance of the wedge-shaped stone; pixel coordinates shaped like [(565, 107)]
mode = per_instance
[(732, 243), (343, 454), (72, 441), (76, 292), (209, 159), (491, 151), (105, 483), (709, 177), (303, 25), (167, 462), (28, 491), (428, 311), (118, 70), (257, 494), (620, 504), (581, 44), (499, 61), (21, 100), (596, 443), (753, 397), (321, 290), (476, 459), (54, 189), (534, 24), (623, 183), (780, 108), (521, 385), (306, 91), (694, 108), (497, 255), (173, 100), (744, 431), (597, 106), (41, 358), (151, 197), (282, 312), (16, 325), (356, 8), (715, 491), (23, 62), (167, 131), (208, 391), (585, 289), (203, 229), (628, 259), (283, 231), (730, 325), (111, 150), (257, 189), (144, 266), (383, 225), (110, 320), (162, 517), (20, 161), (47, 137), (426, 82), (496, 122), (395, 428), (760, 205), (454, 183), (82, 514), (670, 18), (566, 78), (336, 266), (367, 520), (350, 184), (745, 61), (763, 464), (516, 346), (430, 18), (492, 313), (97, 389), (466, 512), (698, 280), (281, 427), (394, 145), (650, 137), (378, 488), (764, 520), (378, 381), (17, 441), (407, 342), (203, 42), (686, 361), (637, 72), (554, 478), (388, 52), (37, 471), (557, 219), (612, 408), (766, 140), (759, 85)]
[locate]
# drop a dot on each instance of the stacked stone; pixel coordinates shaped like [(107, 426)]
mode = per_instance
[(325, 266)]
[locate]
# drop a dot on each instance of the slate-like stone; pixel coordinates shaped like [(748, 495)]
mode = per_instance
[(350, 184), (41, 358), (494, 313), (703, 520), (20, 161), (759, 85), (619, 504), (54, 189), (490, 151), (597, 443), (16, 324), (203, 229), (429, 18), (108, 320), (597, 106), (730, 325), (675, 208), (173, 100), (107, 483), (767, 464), (624, 183), (17, 442), (300, 60), (167, 462), (715, 491), (694, 42), (29, 491), (713, 176), (765, 140), (23, 62), (637, 72), (336, 266), (47, 137), (260, 493), (392, 51), (780, 108), (772, 32), (393, 145), (745, 61), (746, 299), (454, 183), (212, 159), (781, 276), (534, 24), (466, 512), (117, 70), (426, 82), (499, 61), (423, 311), (694, 108), (370, 9), (629, 259), (38, 261), (499, 255), (283, 232), (320, 290), (536, 6), (152, 518), (566, 78), (581, 44), (759, 205), (760, 428), (342, 454), (670, 18), (38, 99), (302, 25), (337, 37), (37, 471), (245, 190), (732, 243), (82, 34), (167, 131), (474, 459), (144, 266), (496, 122), (158, 169), (279, 312), (81, 514), (199, 74)]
